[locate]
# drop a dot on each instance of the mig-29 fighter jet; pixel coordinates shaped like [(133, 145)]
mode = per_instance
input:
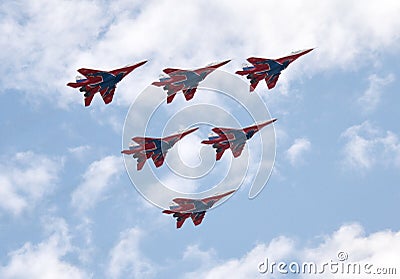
[(156, 148), (185, 80), (183, 208), (104, 82), (235, 139), (268, 69)]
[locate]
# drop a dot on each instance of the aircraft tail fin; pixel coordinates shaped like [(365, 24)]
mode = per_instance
[(180, 217), (197, 217), (88, 100), (219, 153), (170, 98)]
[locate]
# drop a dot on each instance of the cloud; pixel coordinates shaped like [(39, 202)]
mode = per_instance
[(96, 181), (189, 149), (379, 249), (25, 179), (126, 258), (118, 33), (367, 145), (245, 266), (371, 97), (296, 151), (45, 259), (79, 151), (40, 40)]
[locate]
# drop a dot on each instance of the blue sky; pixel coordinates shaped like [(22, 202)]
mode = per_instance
[(68, 208)]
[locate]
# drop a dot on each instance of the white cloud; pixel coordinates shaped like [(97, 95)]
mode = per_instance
[(44, 45), (25, 179), (79, 151), (97, 179), (179, 184), (45, 259), (371, 97), (41, 38), (296, 151), (245, 266), (379, 249), (126, 259), (189, 149), (367, 145)]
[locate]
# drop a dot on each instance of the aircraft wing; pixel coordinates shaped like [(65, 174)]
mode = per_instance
[(271, 81), (189, 93), (143, 140), (181, 201), (222, 131), (88, 72), (107, 95), (289, 58), (197, 217), (173, 138), (158, 159), (256, 60), (237, 148), (170, 70)]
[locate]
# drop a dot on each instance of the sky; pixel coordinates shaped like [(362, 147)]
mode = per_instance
[(69, 207)]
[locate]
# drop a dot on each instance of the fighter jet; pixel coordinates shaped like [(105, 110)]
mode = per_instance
[(101, 81), (235, 139), (185, 80), (183, 208), (156, 148), (268, 69)]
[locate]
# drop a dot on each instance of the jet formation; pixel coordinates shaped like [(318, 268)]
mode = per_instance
[(186, 81), (183, 208), (104, 82), (154, 148), (268, 69), (157, 148)]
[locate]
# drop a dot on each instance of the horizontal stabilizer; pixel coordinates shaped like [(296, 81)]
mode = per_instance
[(74, 84)]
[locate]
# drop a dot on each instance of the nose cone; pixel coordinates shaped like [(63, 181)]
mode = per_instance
[(262, 125), (189, 131), (141, 63), (294, 55), (215, 66), (226, 194), (130, 68), (306, 51)]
